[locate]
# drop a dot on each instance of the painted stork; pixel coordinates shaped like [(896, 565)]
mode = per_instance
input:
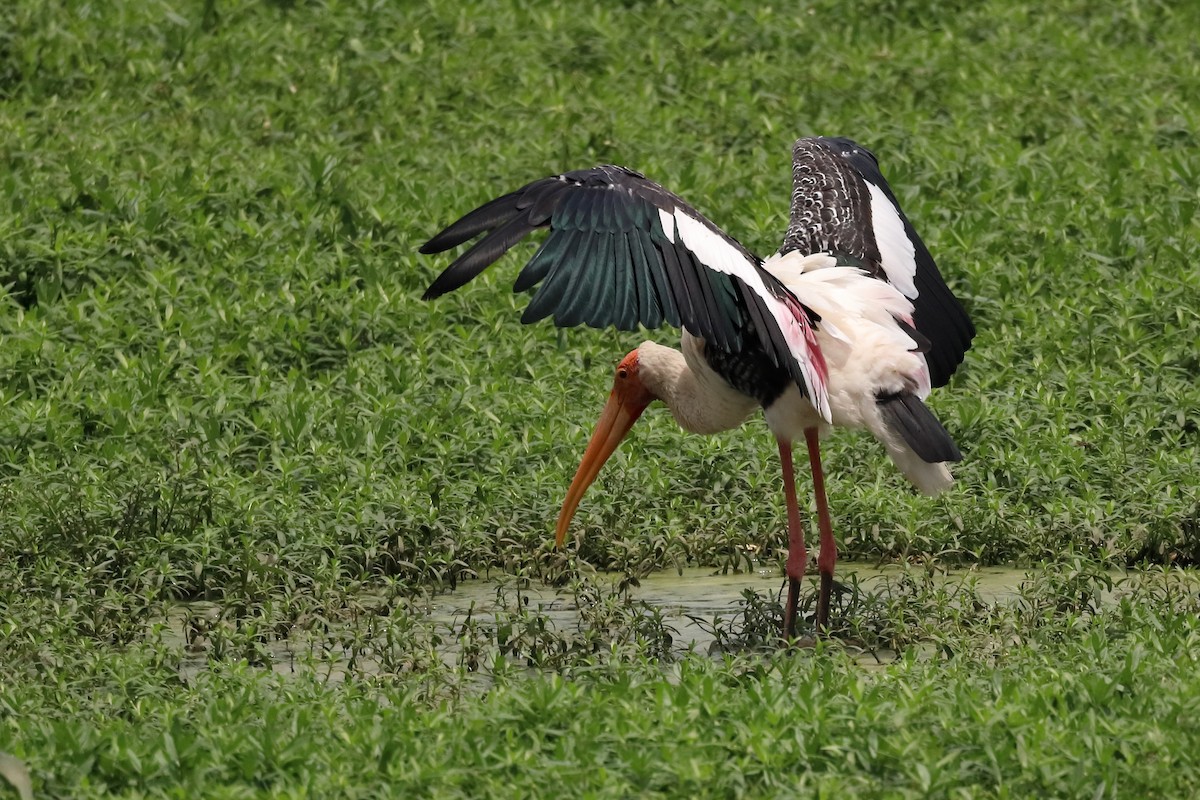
[(849, 324)]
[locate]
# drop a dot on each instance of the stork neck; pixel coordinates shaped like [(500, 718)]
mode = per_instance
[(699, 399)]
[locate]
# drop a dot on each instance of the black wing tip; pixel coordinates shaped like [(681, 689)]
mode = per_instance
[(442, 284), (445, 283), (432, 247), (945, 322), (597, 237)]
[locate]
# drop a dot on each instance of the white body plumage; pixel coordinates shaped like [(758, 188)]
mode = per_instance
[(812, 343), (866, 354)]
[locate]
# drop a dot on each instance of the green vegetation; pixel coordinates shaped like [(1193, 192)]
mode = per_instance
[(227, 422)]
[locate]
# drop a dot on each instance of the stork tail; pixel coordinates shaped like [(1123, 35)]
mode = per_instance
[(921, 444)]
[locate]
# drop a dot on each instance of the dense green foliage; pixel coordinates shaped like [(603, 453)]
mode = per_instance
[(218, 384), (1023, 700)]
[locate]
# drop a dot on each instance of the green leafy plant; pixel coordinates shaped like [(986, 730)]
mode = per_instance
[(240, 460)]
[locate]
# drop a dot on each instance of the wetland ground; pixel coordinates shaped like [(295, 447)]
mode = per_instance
[(230, 431)]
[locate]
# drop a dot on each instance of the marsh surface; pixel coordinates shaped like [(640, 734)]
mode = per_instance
[(691, 609)]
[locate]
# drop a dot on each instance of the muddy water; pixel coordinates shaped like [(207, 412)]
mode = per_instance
[(694, 597), (696, 592), (689, 602)]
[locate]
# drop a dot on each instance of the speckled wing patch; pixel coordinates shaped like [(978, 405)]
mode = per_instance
[(831, 207)]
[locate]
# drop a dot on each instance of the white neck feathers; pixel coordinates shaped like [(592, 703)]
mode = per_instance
[(699, 399)]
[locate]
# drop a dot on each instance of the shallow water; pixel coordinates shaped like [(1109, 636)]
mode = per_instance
[(699, 591), (695, 592), (689, 601), (696, 595)]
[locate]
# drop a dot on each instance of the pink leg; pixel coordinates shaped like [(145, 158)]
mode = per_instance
[(827, 558), (797, 555)]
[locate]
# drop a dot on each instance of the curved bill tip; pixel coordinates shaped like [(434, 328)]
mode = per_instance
[(620, 412)]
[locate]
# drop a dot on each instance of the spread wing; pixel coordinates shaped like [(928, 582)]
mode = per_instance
[(841, 204), (624, 251)]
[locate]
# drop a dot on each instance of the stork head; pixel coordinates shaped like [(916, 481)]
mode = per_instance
[(626, 402)]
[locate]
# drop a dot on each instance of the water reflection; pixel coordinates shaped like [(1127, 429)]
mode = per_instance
[(688, 603)]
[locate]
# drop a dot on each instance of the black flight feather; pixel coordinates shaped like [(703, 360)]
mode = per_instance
[(608, 261), (542, 262), (479, 257), (625, 307), (546, 198), (648, 263), (645, 303), (484, 218), (937, 312)]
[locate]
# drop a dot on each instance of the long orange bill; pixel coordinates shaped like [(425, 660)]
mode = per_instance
[(618, 416)]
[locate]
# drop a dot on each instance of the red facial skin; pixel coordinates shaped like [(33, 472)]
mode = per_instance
[(626, 402)]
